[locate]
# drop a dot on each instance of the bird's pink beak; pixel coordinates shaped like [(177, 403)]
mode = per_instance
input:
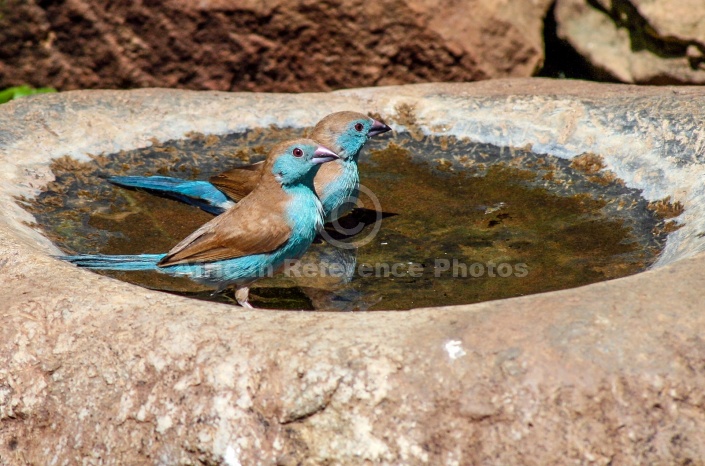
[(323, 155), (378, 128)]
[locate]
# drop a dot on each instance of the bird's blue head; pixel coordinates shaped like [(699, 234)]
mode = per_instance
[(297, 161), (347, 132)]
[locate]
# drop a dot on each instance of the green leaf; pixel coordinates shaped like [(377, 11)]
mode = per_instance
[(21, 91)]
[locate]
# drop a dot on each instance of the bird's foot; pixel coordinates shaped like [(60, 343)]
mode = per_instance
[(241, 295)]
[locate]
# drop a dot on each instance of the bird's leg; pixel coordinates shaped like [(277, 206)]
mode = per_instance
[(242, 294)]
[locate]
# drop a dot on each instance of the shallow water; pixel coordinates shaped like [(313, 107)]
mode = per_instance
[(461, 222)]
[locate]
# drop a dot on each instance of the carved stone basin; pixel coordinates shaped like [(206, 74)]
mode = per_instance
[(95, 369)]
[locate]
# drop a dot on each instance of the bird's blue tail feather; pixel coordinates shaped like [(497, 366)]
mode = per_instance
[(201, 194), (125, 262)]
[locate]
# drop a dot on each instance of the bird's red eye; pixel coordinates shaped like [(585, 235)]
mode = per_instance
[(359, 127), (298, 152)]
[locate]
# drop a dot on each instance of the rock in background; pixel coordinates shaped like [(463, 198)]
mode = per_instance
[(276, 45), (306, 45), (637, 41)]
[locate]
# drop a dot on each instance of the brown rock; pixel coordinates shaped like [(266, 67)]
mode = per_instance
[(93, 370), (642, 41), (275, 45)]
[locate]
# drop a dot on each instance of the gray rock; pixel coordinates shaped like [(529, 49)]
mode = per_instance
[(638, 41), (96, 371)]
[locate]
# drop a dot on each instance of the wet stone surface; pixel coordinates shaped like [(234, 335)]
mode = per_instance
[(461, 222)]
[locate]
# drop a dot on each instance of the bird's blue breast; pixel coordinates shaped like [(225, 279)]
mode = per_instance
[(338, 196), (304, 214)]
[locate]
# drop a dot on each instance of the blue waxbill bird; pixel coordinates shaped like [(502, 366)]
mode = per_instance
[(276, 222), (336, 183)]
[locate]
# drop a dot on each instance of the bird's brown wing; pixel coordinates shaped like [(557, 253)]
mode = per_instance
[(238, 182), (256, 225)]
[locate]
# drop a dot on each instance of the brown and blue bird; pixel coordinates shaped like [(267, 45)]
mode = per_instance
[(276, 222)]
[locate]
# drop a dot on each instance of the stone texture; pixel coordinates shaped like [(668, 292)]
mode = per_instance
[(96, 371), (638, 41), (278, 45)]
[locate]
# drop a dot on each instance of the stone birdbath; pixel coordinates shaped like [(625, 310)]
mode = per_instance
[(96, 370)]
